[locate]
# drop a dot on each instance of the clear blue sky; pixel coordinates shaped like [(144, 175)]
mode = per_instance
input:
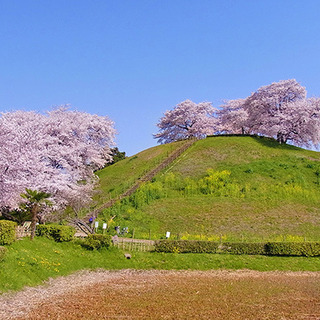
[(133, 60)]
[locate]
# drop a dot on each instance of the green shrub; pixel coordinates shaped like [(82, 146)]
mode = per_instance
[(7, 232), (243, 248), (96, 241), (186, 246), (308, 249), (56, 232), (3, 251), (91, 244)]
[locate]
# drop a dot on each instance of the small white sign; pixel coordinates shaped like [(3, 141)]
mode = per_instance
[(104, 226), (168, 235), (96, 224)]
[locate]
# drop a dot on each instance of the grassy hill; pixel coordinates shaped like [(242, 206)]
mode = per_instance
[(237, 188)]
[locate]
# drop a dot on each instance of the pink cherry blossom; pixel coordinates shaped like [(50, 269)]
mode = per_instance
[(186, 120), (56, 153)]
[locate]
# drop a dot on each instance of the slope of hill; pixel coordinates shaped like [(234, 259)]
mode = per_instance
[(116, 179), (238, 188)]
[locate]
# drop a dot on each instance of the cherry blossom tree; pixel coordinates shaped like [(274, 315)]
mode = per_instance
[(186, 120), (280, 110), (232, 118), (269, 107), (54, 153)]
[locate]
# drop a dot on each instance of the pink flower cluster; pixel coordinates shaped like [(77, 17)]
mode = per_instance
[(56, 153)]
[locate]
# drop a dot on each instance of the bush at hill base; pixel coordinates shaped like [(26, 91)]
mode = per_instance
[(308, 249), (7, 232), (243, 248), (96, 241), (58, 233), (186, 246)]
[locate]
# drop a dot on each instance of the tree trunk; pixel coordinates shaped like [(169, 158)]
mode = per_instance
[(34, 211), (281, 138)]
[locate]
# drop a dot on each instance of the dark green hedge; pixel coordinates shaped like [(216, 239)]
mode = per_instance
[(186, 246), (56, 232), (7, 232), (3, 251), (96, 241), (308, 249), (243, 248)]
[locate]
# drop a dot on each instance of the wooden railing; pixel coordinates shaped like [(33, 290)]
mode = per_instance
[(133, 244)]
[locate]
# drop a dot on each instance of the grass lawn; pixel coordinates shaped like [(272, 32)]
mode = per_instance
[(29, 263), (272, 192), (118, 177)]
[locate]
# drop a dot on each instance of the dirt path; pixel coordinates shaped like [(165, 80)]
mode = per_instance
[(129, 294)]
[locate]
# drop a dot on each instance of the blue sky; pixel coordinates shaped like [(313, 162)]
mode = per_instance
[(133, 60)]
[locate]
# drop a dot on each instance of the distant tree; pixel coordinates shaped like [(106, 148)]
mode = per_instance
[(280, 110), (117, 155), (270, 106), (54, 153), (232, 118), (35, 200), (186, 120)]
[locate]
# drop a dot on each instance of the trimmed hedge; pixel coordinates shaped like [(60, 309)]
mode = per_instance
[(56, 232), (3, 251), (243, 248), (186, 246), (307, 249), (96, 241), (7, 232)]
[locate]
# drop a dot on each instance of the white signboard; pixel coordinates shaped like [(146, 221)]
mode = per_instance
[(96, 224), (168, 235), (104, 226)]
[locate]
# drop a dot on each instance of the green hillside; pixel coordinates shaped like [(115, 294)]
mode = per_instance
[(237, 188), (117, 178)]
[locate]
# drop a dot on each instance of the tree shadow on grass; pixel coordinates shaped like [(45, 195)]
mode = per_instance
[(273, 143), (265, 141)]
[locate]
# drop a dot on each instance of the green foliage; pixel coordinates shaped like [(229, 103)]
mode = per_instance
[(243, 248), (308, 249), (212, 237), (7, 232), (186, 246), (244, 186), (96, 241), (147, 193), (116, 156), (215, 182), (3, 251), (28, 263), (191, 246), (35, 196), (117, 178), (58, 233)]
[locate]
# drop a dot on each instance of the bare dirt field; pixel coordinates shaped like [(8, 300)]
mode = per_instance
[(129, 294)]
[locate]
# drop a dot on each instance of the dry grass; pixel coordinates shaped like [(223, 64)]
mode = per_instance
[(171, 295)]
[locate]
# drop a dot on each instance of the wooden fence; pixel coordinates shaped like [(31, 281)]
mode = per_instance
[(133, 244)]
